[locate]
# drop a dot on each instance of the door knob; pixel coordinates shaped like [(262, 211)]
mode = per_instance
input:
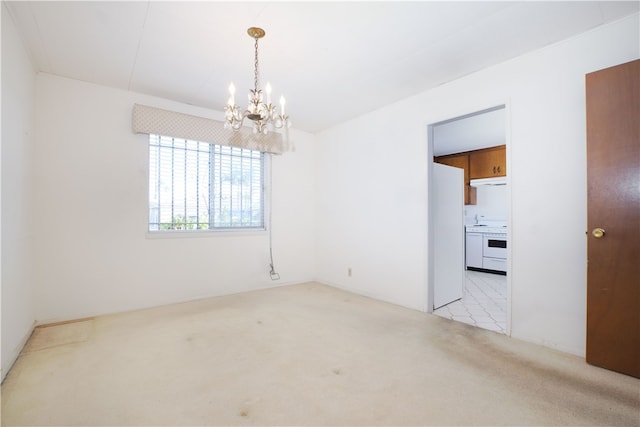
[(598, 233)]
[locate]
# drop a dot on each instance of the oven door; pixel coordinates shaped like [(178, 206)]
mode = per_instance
[(494, 246)]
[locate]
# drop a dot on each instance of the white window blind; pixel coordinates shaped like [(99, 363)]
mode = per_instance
[(200, 186)]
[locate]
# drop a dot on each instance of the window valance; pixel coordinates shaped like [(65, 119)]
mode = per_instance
[(151, 120)]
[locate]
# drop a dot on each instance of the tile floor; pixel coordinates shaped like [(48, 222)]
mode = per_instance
[(483, 304)]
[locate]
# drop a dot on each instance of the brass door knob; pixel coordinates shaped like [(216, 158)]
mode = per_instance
[(598, 233)]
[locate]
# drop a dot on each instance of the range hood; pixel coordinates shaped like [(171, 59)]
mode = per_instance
[(499, 180)]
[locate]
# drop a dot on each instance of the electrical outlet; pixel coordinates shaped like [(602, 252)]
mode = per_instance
[(349, 272)]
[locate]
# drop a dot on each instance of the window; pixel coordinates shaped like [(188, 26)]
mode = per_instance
[(201, 186)]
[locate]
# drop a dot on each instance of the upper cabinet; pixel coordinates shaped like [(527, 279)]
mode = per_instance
[(485, 163), (488, 162)]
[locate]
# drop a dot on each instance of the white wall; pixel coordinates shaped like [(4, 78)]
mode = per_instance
[(491, 202), (93, 254), (18, 124), (372, 185)]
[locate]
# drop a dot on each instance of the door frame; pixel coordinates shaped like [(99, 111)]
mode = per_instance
[(461, 114)]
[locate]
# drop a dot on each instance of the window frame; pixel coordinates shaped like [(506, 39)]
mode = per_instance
[(264, 196)]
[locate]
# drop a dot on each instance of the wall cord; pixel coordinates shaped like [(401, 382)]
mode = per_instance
[(272, 272)]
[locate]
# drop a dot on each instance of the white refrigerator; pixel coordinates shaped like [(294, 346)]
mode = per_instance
[(448, 234)]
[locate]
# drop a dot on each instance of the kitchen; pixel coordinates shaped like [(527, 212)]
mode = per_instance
[(476, 144), (486, 228)]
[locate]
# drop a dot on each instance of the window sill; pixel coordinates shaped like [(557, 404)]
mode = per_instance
[(198, 234)]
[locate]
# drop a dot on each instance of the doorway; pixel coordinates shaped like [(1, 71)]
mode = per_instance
[(485, 300)]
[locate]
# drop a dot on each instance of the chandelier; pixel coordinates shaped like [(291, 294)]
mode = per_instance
[(263, 114)]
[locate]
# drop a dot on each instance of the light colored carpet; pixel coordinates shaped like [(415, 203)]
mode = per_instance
[(302, 355)]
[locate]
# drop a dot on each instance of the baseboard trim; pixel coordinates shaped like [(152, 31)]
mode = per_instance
[(63, 322), (487, 270)]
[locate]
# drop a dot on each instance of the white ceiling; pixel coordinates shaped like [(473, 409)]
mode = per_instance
[(478, 130), (332, 60)]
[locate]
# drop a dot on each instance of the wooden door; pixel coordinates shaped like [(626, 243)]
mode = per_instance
[(613, 253)]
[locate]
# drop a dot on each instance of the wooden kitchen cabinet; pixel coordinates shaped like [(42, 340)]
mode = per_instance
[(488, 162), (460, 161)]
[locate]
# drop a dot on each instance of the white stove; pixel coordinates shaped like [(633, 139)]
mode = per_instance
[(486, 245), (477, 228), (488, 225)]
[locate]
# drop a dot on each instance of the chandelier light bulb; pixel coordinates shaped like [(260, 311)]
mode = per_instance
[(267, 89), (232, 91), (282, 104)]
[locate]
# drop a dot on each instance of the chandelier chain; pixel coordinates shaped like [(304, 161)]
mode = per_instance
[(255, 69)]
